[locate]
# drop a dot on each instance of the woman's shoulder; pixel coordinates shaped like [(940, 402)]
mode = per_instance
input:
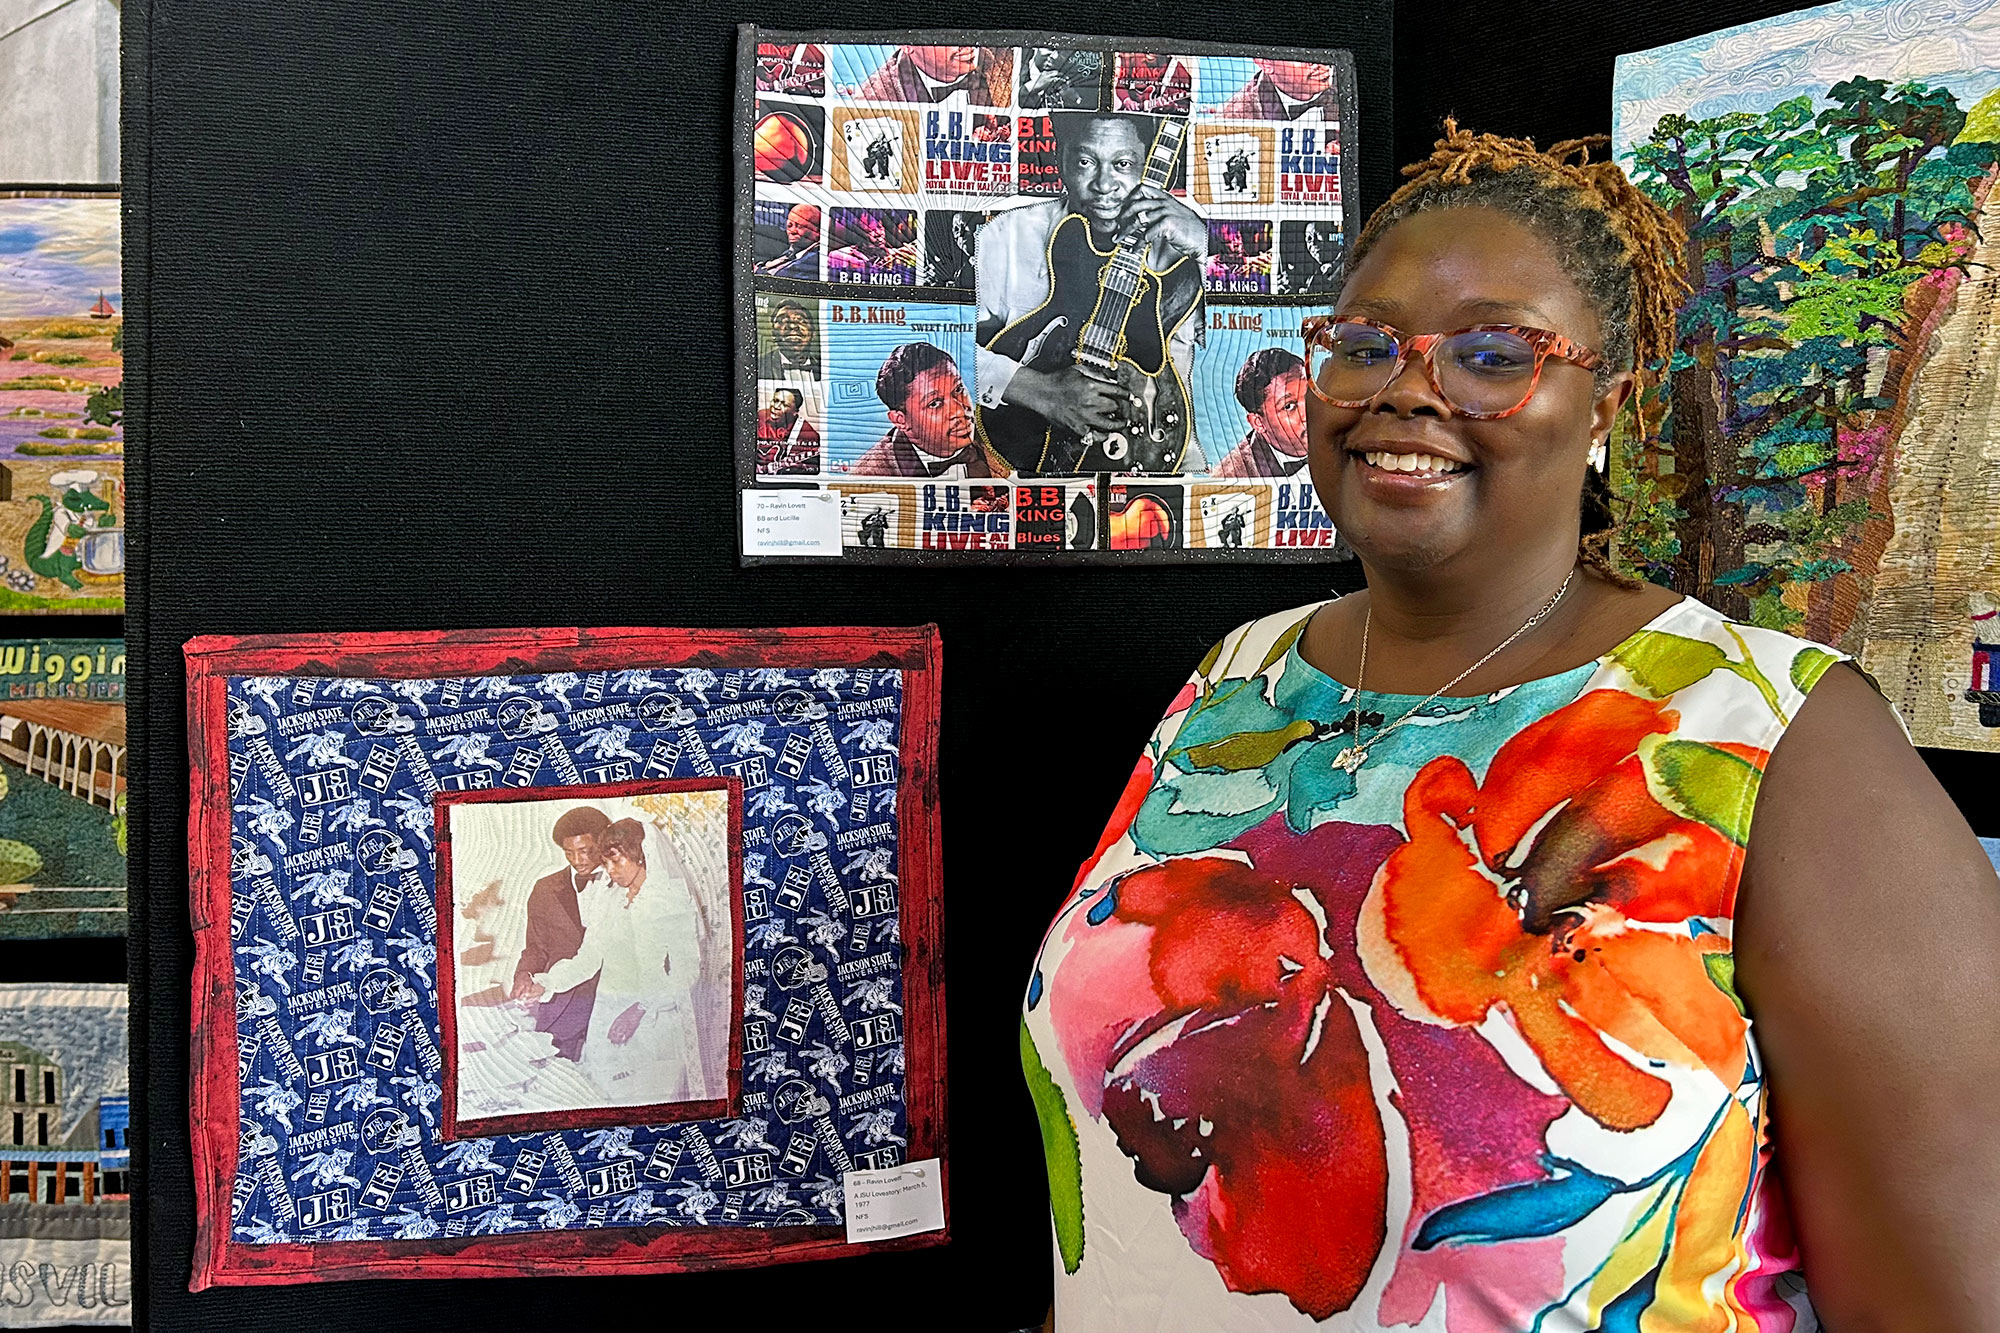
[(1255, 645), (1764, 641), (1692, 650)]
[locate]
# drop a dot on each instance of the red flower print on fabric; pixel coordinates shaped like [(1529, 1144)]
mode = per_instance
[(1246, 1093), (1539, 890)]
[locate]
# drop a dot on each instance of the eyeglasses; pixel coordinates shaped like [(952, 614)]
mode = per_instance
[(1485, 372)]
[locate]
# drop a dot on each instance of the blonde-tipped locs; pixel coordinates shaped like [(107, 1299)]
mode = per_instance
[(1621, 249)]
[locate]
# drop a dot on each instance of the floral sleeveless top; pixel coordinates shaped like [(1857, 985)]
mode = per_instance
[(1304, 1056)]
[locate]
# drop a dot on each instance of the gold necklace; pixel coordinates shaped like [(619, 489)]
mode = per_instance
[(1356, 753)]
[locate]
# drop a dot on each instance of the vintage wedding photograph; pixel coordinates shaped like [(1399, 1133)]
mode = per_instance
[(588, 954)]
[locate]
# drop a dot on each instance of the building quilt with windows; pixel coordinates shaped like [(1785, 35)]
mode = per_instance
[(540, 951), (65, 1220)]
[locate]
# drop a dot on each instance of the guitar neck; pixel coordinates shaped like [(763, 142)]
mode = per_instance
[(1118, 288)]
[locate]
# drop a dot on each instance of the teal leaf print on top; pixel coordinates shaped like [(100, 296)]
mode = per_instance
[(1251, 746), (1539, 1208), (1183, 997), (1216, 781)]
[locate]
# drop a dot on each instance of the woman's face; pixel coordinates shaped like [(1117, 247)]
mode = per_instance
[(1518, 479), (623, 869)]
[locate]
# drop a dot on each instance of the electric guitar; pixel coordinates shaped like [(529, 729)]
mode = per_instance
[(1112, 317)]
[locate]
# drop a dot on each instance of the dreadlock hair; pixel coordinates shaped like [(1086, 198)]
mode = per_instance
[(1618, 246)]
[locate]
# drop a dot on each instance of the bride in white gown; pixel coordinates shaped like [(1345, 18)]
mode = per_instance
[(642, 938)]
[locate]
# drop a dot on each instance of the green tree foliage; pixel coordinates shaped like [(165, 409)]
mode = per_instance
[(1812, 229), (105, 406)]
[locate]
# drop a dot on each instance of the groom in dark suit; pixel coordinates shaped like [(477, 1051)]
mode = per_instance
[(555, 930)]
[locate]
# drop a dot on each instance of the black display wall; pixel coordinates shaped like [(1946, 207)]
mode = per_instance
[(427, 328)]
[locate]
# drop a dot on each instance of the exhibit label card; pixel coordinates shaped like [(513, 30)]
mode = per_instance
[(791, 522), (906, 1200)]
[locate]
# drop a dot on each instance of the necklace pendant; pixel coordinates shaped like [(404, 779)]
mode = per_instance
[(1350, 758)]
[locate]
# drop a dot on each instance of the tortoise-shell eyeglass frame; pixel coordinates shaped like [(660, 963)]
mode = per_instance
[(1318, 333)]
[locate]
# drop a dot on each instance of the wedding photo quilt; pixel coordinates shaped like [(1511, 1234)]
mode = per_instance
[(953, 345), (527, 951)]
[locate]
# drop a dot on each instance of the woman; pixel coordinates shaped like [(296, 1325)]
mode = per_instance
[(1411, 984), (640, 939), (702, 924)]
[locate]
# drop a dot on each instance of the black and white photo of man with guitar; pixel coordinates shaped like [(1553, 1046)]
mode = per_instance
[(1090, 308)]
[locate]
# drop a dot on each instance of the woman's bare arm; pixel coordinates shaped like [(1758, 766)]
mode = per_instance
[(1868, 953)]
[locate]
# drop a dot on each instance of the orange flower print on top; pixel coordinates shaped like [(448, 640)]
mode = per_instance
[(1559, 891)]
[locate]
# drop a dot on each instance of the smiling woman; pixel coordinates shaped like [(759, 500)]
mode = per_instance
[(1412, 983)]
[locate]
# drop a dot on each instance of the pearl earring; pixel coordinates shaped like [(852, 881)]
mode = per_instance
[(1599, 456)]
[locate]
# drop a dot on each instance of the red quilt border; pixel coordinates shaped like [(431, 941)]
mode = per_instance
[(214, 1094), (450, 1127)]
